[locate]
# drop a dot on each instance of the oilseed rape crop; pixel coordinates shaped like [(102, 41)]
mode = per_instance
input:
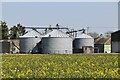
[(60, 66)]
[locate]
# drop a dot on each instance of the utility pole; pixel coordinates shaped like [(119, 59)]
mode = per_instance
[(88, 30)]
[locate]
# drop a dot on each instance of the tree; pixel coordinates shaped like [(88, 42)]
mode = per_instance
[(94, 34), (14, 33), (17, 31), (21, 30), (4, 30)]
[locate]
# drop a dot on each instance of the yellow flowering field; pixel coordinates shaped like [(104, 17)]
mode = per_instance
[(60, 66)]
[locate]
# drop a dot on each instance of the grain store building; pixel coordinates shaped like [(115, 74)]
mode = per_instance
[(9, 46), (115, 42), (116, 36), (102, 45)]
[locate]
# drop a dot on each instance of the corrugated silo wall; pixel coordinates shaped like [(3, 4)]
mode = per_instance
[(29, 45), (56, 45), (79, 43)]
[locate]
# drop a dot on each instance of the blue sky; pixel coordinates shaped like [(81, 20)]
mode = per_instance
[(59, 0), (0, 11), (98, 16)]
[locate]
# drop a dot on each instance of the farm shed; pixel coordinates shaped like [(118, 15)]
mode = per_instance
[(102, 45), (9, 46), (30, 42), (56, 42), (115, 41), (83, 43), (5, 46)]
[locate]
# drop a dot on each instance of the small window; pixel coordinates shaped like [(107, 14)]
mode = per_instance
[(36, 37), (49, 35), (66, 51)]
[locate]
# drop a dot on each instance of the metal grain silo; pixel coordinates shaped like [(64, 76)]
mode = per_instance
[(83, 44), (30, 42), (56, 42)]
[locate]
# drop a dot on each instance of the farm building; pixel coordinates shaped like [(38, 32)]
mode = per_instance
[(9, 46), (83, 43), (102, 45), (30, 42), (115, 41), (48, 41), (56, 42), (116, 36)]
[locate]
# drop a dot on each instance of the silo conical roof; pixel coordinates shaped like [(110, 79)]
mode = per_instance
[(31, 33), (56, 33), (83, 35)]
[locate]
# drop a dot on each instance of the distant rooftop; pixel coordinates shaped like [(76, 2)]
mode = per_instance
[(83, 35), (103, 40)]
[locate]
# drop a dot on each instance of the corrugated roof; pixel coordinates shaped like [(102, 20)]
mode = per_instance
[(83, 35), (31, 33), (103, 40), (56, 33)]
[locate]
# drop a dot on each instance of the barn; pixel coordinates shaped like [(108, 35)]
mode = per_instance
[(116, 36), (102, 45), (115, 41)]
